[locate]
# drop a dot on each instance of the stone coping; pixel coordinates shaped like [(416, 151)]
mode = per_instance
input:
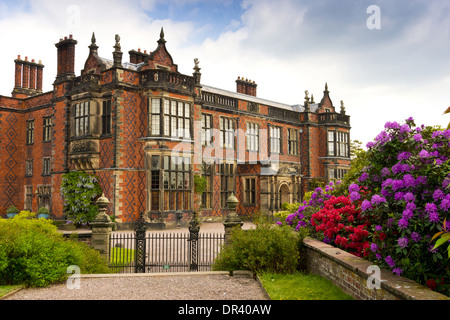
[(403, 288)]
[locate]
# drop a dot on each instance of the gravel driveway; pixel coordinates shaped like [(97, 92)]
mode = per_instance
[(175, 286), (156, 286)]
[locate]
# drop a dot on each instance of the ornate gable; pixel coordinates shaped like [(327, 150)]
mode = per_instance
[(161, 58), (93, 64)]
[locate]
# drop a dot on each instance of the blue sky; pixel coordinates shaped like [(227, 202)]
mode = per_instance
[(401, 69)]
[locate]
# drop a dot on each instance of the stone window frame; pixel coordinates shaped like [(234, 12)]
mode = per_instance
[(47, 129), (30, 131), (46, 166), (81, 117), (207, 129), (227, 181), (336, 173), (227, 129), (44, 197), (155, 117), (208, 173), (293, 142), (106, 117), (172, 118), (29, 168), (28, 202), (252, 136), (249, 190), (338, 144), (165, 197), (274, 140)]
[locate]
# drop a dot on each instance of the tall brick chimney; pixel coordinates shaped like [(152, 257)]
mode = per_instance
[(245, 86), (26, 74), (18, 74), (66, 58), (27, 78), (39, 75), (33, 69)]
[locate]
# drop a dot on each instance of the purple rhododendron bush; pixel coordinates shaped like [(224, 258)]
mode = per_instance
[(398, 202)]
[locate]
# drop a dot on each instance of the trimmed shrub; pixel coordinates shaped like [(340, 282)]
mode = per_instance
[(267, 248), (34, 253)]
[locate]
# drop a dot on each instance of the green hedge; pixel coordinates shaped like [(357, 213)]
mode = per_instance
[(34, 253)]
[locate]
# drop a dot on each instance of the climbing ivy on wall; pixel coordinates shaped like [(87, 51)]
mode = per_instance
[(79, 191)]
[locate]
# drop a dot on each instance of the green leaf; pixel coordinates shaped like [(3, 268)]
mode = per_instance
[(442, 240)]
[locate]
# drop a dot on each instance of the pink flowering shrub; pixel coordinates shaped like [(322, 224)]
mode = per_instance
[(408, 175), (403, 196)]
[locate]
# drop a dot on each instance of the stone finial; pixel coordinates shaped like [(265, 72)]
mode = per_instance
[(117, 54), (232, 202), (161, 40), (306, 100), (93, 47), (117, 45), (197, 74), (342, 107), (196, 67), (102, 204)]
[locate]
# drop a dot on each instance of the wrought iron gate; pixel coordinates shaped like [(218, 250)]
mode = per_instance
[(144, 251)]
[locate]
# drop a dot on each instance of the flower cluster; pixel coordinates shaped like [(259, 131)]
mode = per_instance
[(394, 206), (408, 176), (302, 218), (342, 224)]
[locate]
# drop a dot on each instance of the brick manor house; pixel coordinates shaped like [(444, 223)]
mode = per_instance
[(146, 130)]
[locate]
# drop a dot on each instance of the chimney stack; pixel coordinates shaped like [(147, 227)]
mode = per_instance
[(27, 78), (18, 74), (137, 57), (245, 86), (26, 74), (33, 69), (66, 58), (39, 74)]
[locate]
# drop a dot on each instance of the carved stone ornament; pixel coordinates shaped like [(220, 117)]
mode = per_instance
[(253, 107)]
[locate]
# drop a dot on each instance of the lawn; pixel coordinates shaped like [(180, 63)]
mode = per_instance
[(120, 258), (301, 286), (7, 289)]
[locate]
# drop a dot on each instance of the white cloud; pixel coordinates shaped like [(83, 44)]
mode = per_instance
[(287, 47)]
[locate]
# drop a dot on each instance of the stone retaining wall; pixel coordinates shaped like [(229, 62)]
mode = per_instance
[(351, 273)]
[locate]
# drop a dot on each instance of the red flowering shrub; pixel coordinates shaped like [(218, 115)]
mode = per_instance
[(342, 225)]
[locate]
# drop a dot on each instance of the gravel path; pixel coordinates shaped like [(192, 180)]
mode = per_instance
[(181, 286), (154, 286)]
